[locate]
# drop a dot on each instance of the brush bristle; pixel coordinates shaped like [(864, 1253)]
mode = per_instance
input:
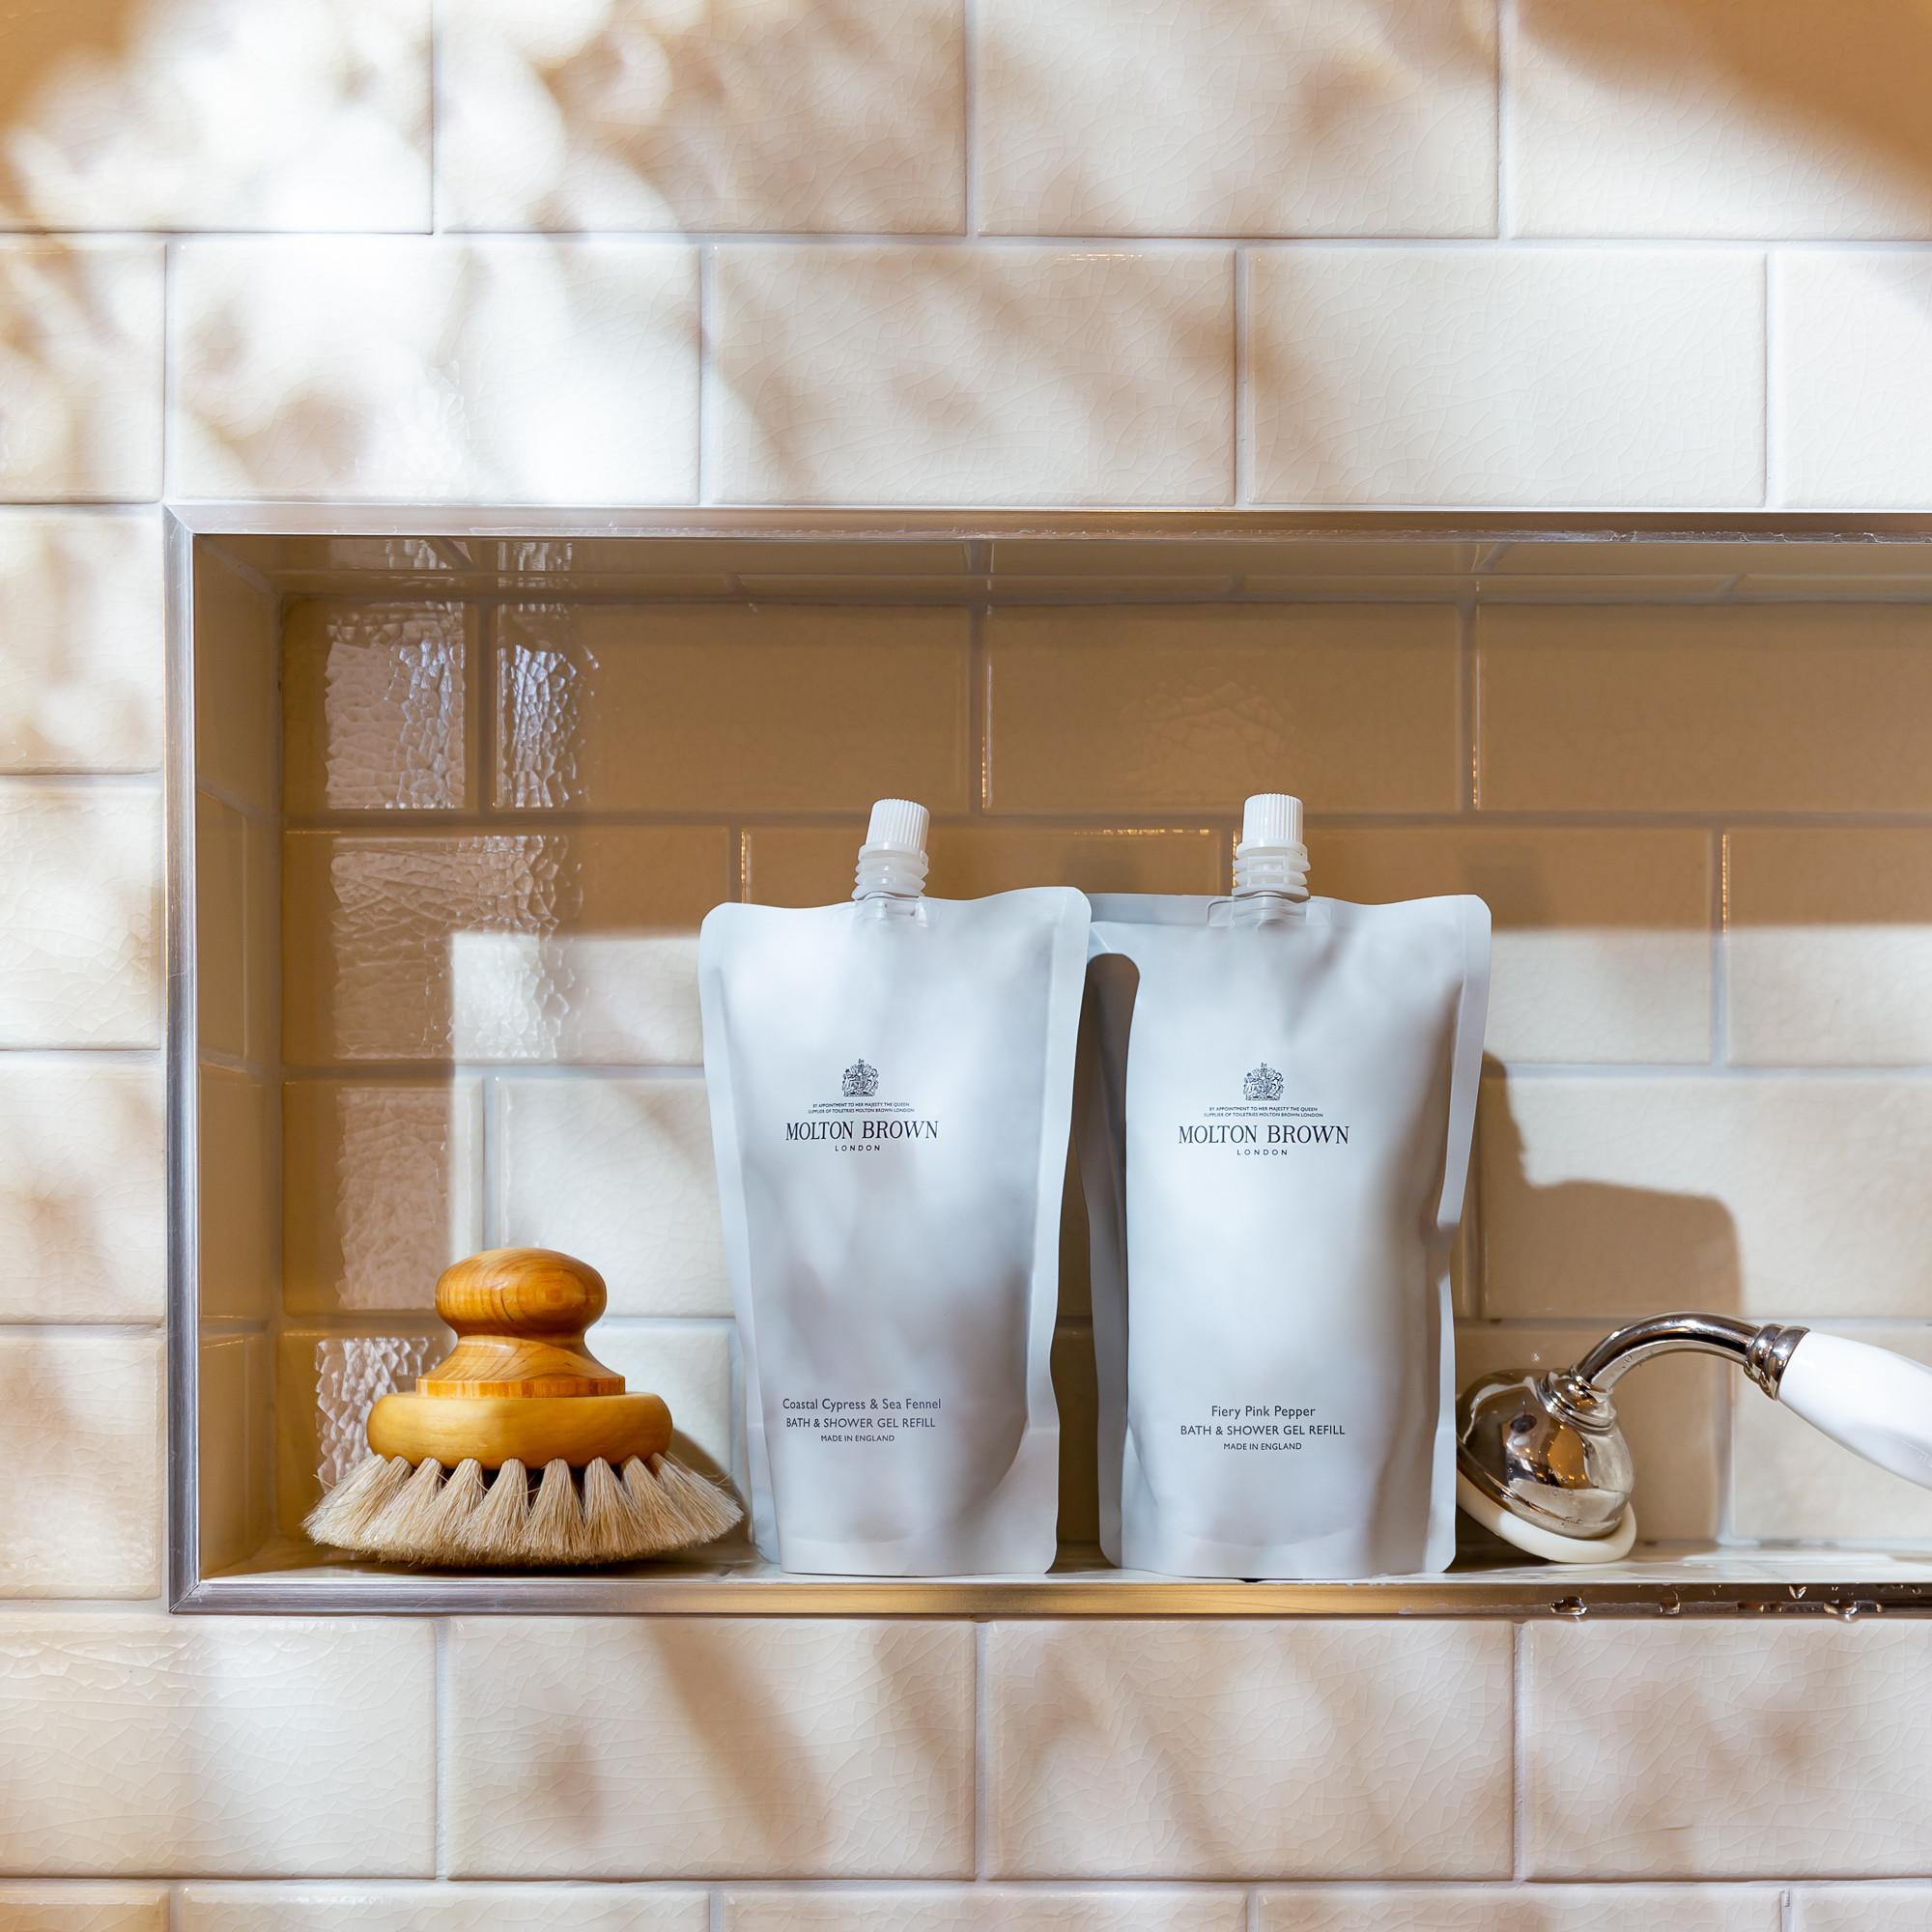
[(384, 1508)]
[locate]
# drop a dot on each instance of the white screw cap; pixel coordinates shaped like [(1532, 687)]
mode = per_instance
[(898, 825), (1272, 819), (893, 858), (1271, 857)]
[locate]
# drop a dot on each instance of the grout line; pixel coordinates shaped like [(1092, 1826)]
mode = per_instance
[(709, 421), (439, 1632), (1519, 1731), (1468, 674), (168, 361), (480, 737), (1506, 26), (1774, 492), (982, 1693), (969, 129), (491, 1160), (715, 1909), (980, 709), (1244, 382), (1720, 949), (435, 130)]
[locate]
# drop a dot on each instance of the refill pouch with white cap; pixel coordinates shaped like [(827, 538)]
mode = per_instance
[(1277, 1099), (891, 1083)]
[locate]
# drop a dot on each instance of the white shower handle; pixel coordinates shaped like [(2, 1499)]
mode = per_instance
[(1879, 1405)]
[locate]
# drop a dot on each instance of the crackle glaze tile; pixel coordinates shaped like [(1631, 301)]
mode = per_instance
[(442, 1908), (1602, 938), (849, 114), (237, 1224), (1749, 1196), (83, 1908), (1830, 946), (613, 708), (374, 369), (1769, 120), (497, 946), (1232, 1750), (216, 115), (80, 1483), (238, 705), (326, 1384), (985, 1909), (1192, 709), (80, 939), (81, 369), (1862, 1908), (1402, 376), (1851, 421), (373, 702), (690, 1366), (804, 866), (216, 1746), (1723, 1752), (1523, 1908), (381, 1191), (84, 1226), (1781, 709), (620, 1172), (1234, 117), (733, 1749), (80, 642), (987, 375)]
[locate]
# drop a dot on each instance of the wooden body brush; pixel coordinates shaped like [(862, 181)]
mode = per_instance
[(520, 1393)]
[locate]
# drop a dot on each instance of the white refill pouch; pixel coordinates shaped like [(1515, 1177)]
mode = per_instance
[(1278, 1095), (891, 1085)]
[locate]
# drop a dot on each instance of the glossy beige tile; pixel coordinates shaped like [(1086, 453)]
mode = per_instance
[(1602, 938), (701, 1754), (690, 1366), (371, 369), (1830, 946), (1850, 423), (237, 706), (612, 707), (1208, 1750), (80, 1477), (442, 1908), (1723, 1752), (132, 117), (985, 1909), (237, 1226), (1403, 375), (1523, 1908), (1862, 1908), (381, 1189), (983, 376), (1790, 1484), (497, 946), (216, 1746), (83, 1224), (374, 706), (1747, 1195), (620, 1172), (1234, 118), (83, 1908), (812, 864), (1189, 555), (80, 918), (746, 117), (1675, 1416), (222, 1418), (220, 925), (80, 642), (1191, 709), (1762, 122), (81, 370), (1783, 710)]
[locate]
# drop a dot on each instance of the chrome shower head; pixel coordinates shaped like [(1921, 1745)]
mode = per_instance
[(1542, 1462)]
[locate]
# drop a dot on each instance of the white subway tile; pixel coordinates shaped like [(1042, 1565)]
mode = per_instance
[(1522, 377), (987, 1909), (442, 1908), (84, 1226), (81, 370), (80, 642), (1850, 417), (1189, 709), (1523, 1908), (237, 1230), (1705, 118), (220, 116), (1752, 1196), (1862, 1908), (1603, 937), (690, 1366), (1249, 1751), (216, 1746), (1790, 709), (1716, 1752), (1791, 1483), (985, 376), (80, 1465), (83, 1908), (847, 114), (1231, 116), (362, 370), (80, 938), (661, 1747), (620, 1172), (1830, 946), (381, 1190), (609, 707)]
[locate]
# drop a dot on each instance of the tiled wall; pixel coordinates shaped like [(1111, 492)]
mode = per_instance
[(1362, 252)]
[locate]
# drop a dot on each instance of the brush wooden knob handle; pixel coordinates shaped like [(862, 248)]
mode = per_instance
[(520, 1316)]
